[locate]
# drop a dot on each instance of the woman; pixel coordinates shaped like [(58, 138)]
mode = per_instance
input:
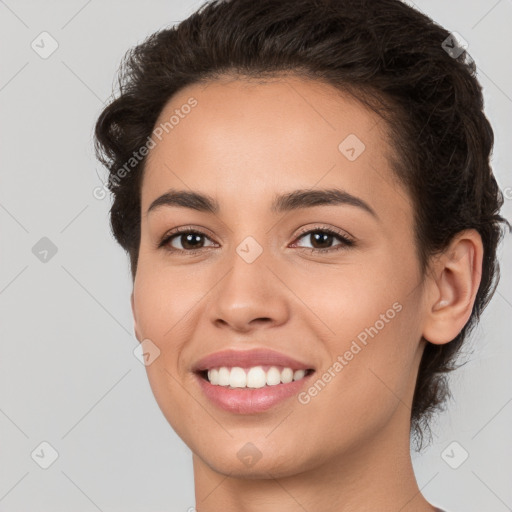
[(303, 188)]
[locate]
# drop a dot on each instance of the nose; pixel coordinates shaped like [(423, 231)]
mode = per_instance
[(249, 295)]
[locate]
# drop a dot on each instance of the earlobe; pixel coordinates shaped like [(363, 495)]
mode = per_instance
[(453, 288)]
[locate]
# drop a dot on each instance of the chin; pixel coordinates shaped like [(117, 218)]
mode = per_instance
[(229, 465)]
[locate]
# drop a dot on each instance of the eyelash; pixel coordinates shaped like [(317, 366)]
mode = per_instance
[(347, 242)]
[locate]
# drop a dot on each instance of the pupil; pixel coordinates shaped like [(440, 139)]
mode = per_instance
[(189, 238), (326, 236), (318, 236)]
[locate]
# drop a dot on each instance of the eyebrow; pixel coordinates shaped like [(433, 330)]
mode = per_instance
[(298, 199)]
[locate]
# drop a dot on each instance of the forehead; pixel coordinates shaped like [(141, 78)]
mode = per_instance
[(245, 139)]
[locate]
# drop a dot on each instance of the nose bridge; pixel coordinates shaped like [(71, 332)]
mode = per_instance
[(248, 290), (248, 263)]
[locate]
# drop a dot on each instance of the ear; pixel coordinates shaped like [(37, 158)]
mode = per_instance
[(137, 335), (452, 288)]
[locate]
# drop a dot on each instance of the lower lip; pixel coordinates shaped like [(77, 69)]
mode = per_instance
[(250, 400)]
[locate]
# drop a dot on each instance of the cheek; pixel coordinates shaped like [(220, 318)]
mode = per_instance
[(366, 383), (344, 299), (372, 328), (164, 297), (162, 302)]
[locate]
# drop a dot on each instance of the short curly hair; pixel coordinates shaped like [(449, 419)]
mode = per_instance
[(390, 57)]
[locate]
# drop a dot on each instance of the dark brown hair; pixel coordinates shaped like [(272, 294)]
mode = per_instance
[(390, 57)]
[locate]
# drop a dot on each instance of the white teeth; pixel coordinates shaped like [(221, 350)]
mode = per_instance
[(255, 377), (273, 376), (286, 375), (299, 374), (213, 376), (223, 376), (237, 377)]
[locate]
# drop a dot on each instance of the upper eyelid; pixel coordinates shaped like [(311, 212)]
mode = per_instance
[(339, 232), (305, 231)]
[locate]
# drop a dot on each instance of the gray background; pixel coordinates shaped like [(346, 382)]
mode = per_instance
[(68, 375)]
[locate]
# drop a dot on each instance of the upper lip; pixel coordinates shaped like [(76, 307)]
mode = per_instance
[(246, 358)]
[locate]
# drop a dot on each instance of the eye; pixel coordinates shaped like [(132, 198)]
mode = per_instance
[(192, 241), (325, 236), (189, 239)]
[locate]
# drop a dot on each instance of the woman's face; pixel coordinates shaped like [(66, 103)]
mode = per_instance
[(351, 310)]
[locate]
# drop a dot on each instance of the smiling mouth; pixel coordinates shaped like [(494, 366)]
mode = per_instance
[(253, 377)]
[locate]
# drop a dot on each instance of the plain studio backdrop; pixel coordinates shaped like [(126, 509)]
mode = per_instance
[(71, 387)]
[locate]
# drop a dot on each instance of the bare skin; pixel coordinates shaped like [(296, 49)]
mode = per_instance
[(346, 449)]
